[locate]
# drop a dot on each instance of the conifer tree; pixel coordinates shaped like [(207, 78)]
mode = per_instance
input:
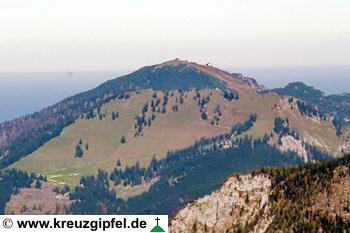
[(78, 152), (37, 184), (119, 163), (204, 115), (123, 139), (113, 116)]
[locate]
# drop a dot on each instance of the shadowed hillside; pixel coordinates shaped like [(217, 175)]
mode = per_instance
[(311, 198)]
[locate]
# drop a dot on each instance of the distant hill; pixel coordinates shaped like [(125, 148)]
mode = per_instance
[(300, 90), (337, 106)]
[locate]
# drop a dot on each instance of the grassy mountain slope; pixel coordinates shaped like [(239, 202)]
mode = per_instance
[(22, 136), (142, 134), (169, 131), (334, 107)]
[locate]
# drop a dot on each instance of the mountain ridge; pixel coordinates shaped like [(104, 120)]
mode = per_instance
[(302, 198), (149, 137), (334, 105), (50, 121)]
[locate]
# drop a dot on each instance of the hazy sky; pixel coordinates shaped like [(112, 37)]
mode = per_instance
[(64, 35)]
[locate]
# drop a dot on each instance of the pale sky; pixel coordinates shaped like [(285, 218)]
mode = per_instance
[(65, 35)]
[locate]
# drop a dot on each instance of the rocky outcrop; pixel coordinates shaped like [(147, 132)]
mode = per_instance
[(251, 82), (310, 198), (289, 143), (344, 148), (241, 202)]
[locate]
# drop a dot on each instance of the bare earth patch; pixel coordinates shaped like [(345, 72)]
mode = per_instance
[(31, 201)]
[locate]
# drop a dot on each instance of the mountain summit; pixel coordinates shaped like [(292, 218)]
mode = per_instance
[(24, 135), (181, 74), (234, 81), (152, 136)]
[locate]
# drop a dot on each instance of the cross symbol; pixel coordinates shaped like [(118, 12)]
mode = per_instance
[(157, 219)]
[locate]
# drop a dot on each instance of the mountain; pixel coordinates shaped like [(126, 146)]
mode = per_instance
[(305, 198), (337, 106), (314, 101), (145, 142), (22, 136), (300, 90)]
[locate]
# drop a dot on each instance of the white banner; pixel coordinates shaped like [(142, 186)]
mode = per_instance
[(83, 223)]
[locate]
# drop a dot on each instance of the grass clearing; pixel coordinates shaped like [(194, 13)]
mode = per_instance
[(169, 131)]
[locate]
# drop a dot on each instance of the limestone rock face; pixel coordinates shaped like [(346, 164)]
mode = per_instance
[(289, 143), (344, 148), (242, 200)]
